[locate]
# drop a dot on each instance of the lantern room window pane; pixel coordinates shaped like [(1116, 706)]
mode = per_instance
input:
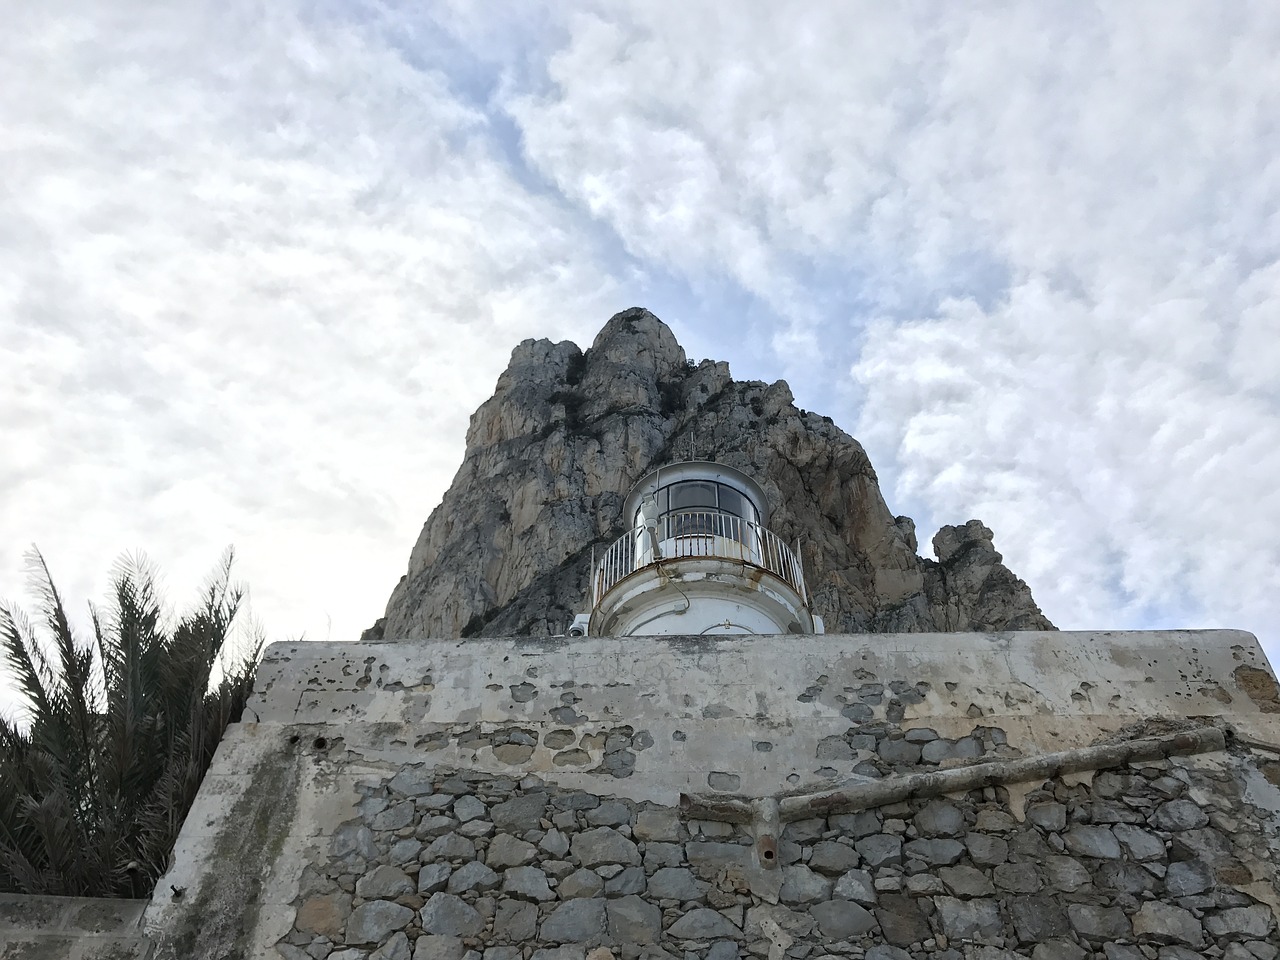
[(731, 501), (694, 495)]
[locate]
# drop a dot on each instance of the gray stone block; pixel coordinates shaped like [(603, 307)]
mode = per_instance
[(1179, 815), (935, 852), (986, 851), (709, 858), (396, 948), (704, 924), (575, 921), (519, 814), (633, 920), (554, 843), (603, 845), (1099, 923), (627, 882), (676, 883), (374, 921), (527, 883), (450, 916), (433, 947), (1093, 841), (881, 849), (384, 883), (842, 919), (508, 851), (901, 920), (1241, 922), (1058, 950), (611, 813), (856, 885), (1138, 843), (1164, 923), (659, 825), (516, 920), (802, 885), (1051, 817), (472, 875), (1017, 877), (468, 807), (1186, 878), (833, 858), (966, 882), (580, 883), (939, 819), (450, 847), (1038, 918), (969, 919)]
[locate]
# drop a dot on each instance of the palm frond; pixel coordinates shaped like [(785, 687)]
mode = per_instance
[(121, 731)]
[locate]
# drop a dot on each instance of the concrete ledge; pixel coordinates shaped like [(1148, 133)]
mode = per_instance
[(71, 928)]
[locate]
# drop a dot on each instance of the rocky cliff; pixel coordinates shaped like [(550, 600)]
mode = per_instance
[(551, 456)]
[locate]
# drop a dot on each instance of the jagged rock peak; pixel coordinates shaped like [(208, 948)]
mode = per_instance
[(553, 453)]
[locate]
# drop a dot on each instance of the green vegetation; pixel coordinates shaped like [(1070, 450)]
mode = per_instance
[(97, 779)]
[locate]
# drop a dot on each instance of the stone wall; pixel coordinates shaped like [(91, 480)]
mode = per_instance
[(519, 799), (1160, 861), (71, 928)]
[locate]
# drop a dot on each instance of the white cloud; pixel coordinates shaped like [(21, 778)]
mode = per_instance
[(256, 271), (258, 265), (1046, 241)]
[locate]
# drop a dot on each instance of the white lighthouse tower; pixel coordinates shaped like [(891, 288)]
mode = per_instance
[(698, 559)]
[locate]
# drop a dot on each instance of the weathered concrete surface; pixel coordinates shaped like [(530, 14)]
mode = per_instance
[(711, 704), (318, 788), (71, 928)]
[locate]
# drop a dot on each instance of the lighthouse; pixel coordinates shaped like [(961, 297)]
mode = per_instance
[(698, 558)]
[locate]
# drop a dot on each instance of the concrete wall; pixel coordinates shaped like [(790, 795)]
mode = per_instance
[(71, 928), (319, 830)]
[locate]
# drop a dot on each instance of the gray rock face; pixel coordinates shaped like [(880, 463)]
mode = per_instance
[(833, 858), (856, 885), (1099, 923), (841, 919), (802, 885), (384, 883), (940, 819), (676, 883), (880, 849), (1165, 923), (450, 916), (936, 852), (580, 883), (969, 919), (634, 920), (528, 883), (703, 924), (1093, 841), (603, 845), (371, 922), (577, 921), (519, 814), (550, 457), (472, 876)]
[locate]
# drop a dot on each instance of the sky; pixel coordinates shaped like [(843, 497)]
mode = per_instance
[(260, 262)]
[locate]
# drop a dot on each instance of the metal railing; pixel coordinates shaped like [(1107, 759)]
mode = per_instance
[(697, 533)]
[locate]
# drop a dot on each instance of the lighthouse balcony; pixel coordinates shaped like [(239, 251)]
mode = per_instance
[(700, 572)]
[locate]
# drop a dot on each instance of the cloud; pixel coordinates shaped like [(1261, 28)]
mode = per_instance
[(259, 264), (256, 271), (1042, 238)]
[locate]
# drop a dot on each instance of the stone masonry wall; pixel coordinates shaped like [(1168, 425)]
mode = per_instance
[(517, 800), (1163, 861)]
